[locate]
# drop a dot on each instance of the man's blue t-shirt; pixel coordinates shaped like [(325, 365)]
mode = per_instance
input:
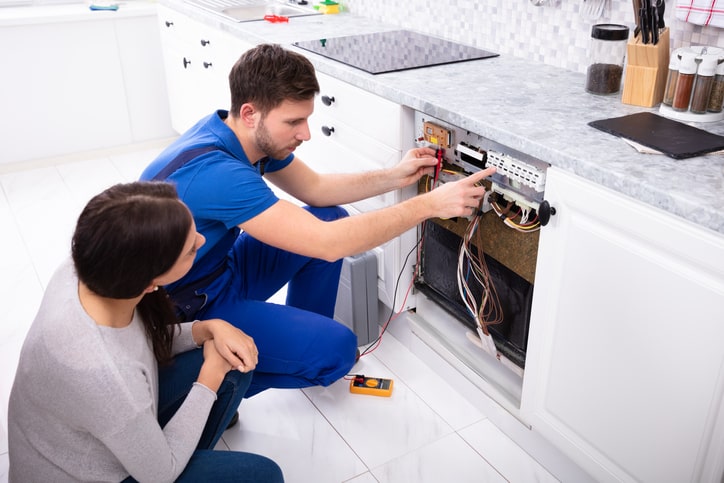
[(221, 187)]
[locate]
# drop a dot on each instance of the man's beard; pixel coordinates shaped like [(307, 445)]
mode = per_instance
[(266, 145)]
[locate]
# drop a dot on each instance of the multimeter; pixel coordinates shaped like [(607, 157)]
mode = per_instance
[(372, 386)]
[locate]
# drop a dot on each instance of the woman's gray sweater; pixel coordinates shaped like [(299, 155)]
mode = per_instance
[(84, 400)]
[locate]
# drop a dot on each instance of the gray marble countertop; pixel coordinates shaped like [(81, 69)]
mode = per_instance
[(539, 110)]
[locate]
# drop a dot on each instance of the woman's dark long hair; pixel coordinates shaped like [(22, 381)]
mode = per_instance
[(125, 237)]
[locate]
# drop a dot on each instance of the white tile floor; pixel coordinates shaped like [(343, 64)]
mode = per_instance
[(425, 432)]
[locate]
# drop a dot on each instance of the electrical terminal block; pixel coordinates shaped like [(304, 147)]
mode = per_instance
[(510, 195), (437, 135), (517, 171)]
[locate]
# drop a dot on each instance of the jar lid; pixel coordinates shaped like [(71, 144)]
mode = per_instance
[(689, 63), (708, 65), (609, 31)]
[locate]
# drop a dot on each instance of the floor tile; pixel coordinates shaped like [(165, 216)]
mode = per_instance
[(87, 178), (378, 428), (45, 212), (429, 386), (132, 164), (363, 478), (446, 459), (507, 457), (283, 425), (4, 466)]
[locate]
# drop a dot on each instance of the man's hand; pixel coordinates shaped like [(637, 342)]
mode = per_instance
[(416, 163), (459, 198)]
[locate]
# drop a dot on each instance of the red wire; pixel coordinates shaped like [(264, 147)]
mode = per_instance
[(376, 344), (438, 167), (384, 327)]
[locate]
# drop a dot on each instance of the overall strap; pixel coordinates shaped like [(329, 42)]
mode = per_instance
[(181, 160)]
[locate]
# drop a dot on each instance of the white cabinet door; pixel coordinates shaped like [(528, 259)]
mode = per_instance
[(139, 48), (61, 90), (625, 360), (197, 59)]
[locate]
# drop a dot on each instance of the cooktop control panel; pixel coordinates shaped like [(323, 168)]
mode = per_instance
[(519, 178)]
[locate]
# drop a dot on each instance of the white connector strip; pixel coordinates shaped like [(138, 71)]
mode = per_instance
[(517, 170)]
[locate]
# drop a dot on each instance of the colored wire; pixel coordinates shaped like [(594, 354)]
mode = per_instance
[(523, 225), (473, 269)]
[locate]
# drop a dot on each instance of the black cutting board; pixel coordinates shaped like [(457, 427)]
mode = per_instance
[(673, 138)]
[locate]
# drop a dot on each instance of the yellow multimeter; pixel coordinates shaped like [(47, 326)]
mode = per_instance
[(372, 386)]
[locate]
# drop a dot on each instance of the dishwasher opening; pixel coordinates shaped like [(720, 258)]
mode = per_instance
[(481, 270)]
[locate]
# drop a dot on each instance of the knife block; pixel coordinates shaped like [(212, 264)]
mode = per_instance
[(647, 66)]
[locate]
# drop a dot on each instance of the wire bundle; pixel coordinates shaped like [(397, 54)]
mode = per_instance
[(525, 224), (473, 269)]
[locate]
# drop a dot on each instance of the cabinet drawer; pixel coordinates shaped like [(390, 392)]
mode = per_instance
[(378, 118), (345, 150)]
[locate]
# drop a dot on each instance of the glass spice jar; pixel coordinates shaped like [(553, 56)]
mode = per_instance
[(716, 98), (703, 84), (685, 82), (673, 75), (606, 55)]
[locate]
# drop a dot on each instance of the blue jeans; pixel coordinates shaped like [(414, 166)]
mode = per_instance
[(300, 344), (175, 382)]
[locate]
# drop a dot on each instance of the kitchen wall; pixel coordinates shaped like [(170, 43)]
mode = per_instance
[(556, 35)]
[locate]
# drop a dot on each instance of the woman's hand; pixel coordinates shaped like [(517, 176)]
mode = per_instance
[(237, 348), (214, 368)]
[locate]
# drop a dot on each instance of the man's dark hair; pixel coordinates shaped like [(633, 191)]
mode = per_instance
[(267, 75)]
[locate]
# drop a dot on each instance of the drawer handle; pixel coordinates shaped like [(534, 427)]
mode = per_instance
[(168, 24), (327, 100), (327, 131), (204, 43), (186, 62), (207, 65)]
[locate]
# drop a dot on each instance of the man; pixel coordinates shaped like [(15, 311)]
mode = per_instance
[(218, 167)]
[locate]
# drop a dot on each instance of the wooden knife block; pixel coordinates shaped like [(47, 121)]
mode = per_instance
[(647, 66)]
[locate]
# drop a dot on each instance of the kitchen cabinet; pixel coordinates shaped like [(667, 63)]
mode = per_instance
[(197, 59), (625, 361), (77, 82), (353, 130)]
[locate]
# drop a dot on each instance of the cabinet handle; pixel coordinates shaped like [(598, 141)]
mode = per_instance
[(168, 24), (327, 131), (327, 100), (186, 63), (207, 65), (204, 43), (545, 211)]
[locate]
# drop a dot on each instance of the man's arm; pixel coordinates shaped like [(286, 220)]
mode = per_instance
[(316, 189), (287, 226)]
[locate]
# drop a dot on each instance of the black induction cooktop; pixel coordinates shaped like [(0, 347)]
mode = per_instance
[(392, 51)]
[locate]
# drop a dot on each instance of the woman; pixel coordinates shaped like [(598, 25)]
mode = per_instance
[(109, 387)]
